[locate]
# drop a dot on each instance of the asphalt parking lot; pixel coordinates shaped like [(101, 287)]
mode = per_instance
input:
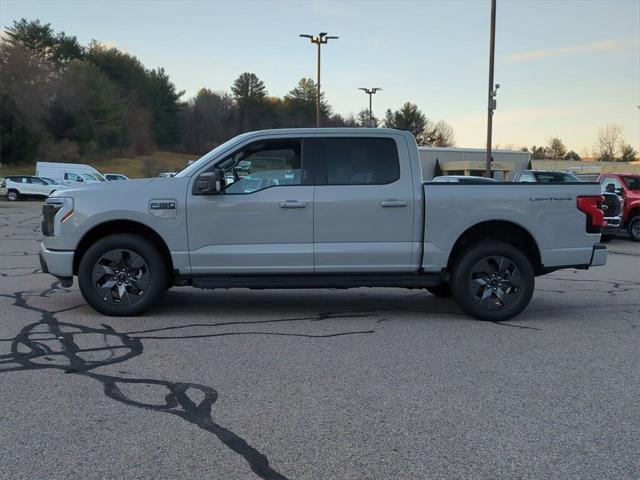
[(356, 384)]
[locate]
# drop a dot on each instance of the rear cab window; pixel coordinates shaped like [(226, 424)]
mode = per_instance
[(556, 177)]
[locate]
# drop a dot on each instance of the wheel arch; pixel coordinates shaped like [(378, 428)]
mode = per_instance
[(633, 212), (499, 230), (120, 226)]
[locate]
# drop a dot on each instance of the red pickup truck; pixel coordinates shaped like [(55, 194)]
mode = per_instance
[(628, 186)]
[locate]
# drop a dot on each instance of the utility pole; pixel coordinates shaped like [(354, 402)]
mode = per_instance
[(370, 92), (318, 40), (492, 90)]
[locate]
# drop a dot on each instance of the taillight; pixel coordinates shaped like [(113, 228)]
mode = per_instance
[(595, 216)]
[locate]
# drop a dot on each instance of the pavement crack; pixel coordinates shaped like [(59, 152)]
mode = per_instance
[(51, 344)]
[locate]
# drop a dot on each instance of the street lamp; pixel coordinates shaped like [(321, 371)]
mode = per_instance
[(370, 92), (318, 40), (493, 90)]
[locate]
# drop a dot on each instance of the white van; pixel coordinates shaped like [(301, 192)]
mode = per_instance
[(69, 173)]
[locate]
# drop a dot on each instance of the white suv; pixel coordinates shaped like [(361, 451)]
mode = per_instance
[(28, 186)]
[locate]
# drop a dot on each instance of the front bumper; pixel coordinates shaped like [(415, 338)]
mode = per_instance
[(599, 255), (613, 225), (58, 263)]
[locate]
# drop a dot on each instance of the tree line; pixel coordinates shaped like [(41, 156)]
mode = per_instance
[(610, 146), (63, 101)]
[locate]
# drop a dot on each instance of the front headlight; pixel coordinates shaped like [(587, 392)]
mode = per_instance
[(55, 211)]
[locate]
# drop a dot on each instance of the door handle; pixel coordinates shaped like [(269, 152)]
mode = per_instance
[(292, 204), (393, 203)]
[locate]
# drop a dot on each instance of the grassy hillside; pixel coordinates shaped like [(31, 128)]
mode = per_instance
[(137, 167)]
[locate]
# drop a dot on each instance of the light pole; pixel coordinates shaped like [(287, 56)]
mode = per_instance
[(492, 90), (371, 92), (318, 40)]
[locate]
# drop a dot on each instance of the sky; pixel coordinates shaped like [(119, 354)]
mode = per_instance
[(565, 68)]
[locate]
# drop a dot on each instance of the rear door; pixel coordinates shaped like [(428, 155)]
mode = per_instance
[(263, 222), (28, 186), (39, 186), (364, 205)]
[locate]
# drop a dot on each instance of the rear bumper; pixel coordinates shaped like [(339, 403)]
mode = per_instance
[(599, 255), (58, 263)]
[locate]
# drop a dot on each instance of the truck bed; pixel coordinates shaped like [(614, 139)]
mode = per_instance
[(547, 212)]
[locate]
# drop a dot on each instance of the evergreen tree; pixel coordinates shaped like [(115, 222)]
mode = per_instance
[(250, 95)]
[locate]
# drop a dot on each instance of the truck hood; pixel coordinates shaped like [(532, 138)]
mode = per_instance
[(118, 188)]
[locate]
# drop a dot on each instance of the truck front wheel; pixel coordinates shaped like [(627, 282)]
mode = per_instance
[(492, 281), (122, 275)]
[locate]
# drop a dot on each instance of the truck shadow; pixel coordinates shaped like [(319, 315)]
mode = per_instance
[(189, 301)]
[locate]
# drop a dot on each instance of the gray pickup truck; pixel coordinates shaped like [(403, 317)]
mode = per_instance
[(318, 208)]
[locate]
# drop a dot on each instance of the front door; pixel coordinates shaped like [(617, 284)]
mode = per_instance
[(364, 206), (263, 222)]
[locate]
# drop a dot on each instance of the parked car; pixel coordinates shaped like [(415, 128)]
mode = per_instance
[(342, 208), (115, 177), (628, 187), (22, 186), (611, 205), (544, 176), (69, 173), (462, 179)]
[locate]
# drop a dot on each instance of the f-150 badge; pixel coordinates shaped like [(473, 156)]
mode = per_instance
[(162, 208)]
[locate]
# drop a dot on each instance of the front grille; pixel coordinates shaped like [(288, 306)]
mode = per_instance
[(612, 204)]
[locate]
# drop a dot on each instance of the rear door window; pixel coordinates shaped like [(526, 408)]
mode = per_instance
[(633, 183), (357, 161)]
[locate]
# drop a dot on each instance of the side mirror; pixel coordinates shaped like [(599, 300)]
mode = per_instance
[(209, 183)]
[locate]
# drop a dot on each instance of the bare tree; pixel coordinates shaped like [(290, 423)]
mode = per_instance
[(443, 135), (609, 143)]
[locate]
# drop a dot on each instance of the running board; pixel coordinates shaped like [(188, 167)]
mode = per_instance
[(413, 280)]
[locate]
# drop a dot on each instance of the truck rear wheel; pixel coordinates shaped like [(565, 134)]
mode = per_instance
[(634, 228), (13, 195), (122, 275), (492, 281)]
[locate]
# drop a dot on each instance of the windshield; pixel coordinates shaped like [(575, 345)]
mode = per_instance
[(633, 183), (556, 177), (195, 166)]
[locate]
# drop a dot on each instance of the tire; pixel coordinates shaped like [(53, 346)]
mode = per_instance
[(492, 281), (443, 290), (122, 275), (634, 228), (13, 195)]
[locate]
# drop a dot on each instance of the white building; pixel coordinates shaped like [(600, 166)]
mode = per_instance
[(471, 161)]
